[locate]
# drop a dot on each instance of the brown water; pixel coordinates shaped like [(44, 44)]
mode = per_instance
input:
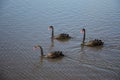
[(25, 23)]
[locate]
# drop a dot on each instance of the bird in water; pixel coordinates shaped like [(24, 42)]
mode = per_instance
[(54, 54), (92, 43), (62, 36)]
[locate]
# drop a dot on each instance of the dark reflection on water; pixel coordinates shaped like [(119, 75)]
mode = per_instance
[(24, 24)]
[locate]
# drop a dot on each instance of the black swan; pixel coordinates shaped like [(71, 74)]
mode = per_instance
[(54, 54), (61, 36), (92, 43)]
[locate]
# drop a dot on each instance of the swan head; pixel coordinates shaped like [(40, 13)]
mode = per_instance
[(82, 30), (50, 27), (36, 46)]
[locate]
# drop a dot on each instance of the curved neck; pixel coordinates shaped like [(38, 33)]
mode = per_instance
[(52, 33), (41, 49), (84, 37)]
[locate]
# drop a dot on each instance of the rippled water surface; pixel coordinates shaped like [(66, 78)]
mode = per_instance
[(24, 23)]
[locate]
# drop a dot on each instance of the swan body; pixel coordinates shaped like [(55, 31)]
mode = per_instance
[(92, 43), (54, 54), (61, 36)]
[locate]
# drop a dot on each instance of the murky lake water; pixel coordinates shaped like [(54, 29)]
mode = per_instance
[(25, 23)]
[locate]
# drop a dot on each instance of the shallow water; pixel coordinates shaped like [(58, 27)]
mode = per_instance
[(25, 23)]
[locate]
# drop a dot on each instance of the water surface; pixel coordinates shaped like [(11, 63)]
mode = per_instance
[(25, 23)]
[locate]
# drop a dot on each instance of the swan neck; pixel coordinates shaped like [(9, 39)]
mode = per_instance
[(52, 32), (41, 49), (84, 35)]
